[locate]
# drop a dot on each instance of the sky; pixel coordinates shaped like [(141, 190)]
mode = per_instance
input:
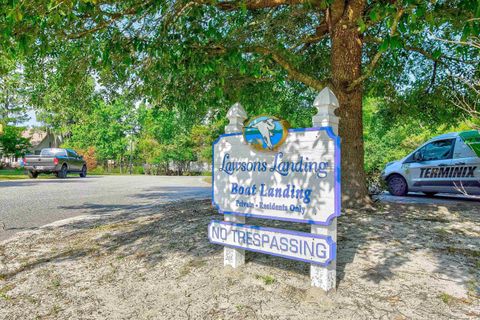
[(33, 120)]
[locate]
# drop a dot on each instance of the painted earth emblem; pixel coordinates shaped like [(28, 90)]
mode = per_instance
[(266, 133)]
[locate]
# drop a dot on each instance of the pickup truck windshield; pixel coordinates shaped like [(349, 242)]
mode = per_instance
[(52, 152)]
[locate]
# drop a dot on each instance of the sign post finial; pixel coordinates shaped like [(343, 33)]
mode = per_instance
[(237, 115), (326, 102)]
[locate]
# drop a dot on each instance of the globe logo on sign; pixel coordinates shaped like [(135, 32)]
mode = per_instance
[(266, 133)]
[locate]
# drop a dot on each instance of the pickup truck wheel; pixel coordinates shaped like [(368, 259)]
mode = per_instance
[(83, 174), (63, 172), (397, 185), (32, 175)]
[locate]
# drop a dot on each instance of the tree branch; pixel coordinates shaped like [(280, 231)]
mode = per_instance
[(332, 15), (378, 55), (320, 32), (254, 4), (293, 72), (105, 23), (434, 76)]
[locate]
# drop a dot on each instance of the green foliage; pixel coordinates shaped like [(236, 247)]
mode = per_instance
[(105, 128), (161, 75), (12, 144), (12, 94), (115, 171), (392, 135)]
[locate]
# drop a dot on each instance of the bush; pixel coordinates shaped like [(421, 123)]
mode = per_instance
[(89, 156), (138, 170), (97, 170)]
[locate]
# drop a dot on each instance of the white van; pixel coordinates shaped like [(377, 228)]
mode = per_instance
[(449, 163)]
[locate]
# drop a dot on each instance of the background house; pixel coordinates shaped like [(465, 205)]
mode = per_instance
[(40, 139)]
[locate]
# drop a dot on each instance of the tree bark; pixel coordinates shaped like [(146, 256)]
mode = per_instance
[(346, 62)]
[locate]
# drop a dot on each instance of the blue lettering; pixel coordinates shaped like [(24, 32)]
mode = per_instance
[(265, 239), (256, 239), (262, 190), (274, 243), (241, 237), (322, 250), (234, 188), (293, 245), (283, 244), (249, 238)]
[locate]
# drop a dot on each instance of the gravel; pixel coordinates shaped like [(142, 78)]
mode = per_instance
[(399, 261)]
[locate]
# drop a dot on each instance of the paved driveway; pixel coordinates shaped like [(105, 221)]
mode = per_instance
[(27, 204)]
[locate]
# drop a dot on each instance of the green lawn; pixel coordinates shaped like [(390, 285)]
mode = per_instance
[(18, 174), (12, 174)]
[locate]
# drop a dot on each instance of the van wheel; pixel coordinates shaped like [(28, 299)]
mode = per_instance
[(63, 172), (430, 194), (397, 185), (32, 175), (83, 174)]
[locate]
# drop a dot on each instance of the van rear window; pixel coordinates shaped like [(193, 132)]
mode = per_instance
[(472, 139)]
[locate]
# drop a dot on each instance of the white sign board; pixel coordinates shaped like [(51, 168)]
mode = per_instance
[(306, 247), (299, 181)]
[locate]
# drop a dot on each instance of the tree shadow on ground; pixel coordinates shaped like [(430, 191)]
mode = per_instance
[(391, 234), (32, 182), (385, 237)]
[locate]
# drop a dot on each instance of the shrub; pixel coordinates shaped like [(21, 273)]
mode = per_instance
[(89, 156)]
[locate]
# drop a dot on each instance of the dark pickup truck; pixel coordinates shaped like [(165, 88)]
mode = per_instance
[(57, 161)]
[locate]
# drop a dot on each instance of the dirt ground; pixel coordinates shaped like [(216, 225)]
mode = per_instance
[(410, 261)]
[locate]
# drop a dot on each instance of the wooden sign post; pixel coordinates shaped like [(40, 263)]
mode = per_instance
[(265, 170), (232, 256), (325, 277)]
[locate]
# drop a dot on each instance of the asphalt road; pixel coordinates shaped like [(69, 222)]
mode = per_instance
[(420, 198), (27, 204)]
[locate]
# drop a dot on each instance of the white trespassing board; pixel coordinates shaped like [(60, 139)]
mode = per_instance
[(299, 182), (294, 245)]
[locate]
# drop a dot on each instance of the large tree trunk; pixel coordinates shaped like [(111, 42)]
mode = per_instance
[(346, 59)]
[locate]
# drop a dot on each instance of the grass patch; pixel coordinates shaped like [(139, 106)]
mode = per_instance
[(190, 265), (12, 174), (446, 298), (56, 283), (5, 290), (136, 170), (267, 279), (113, 226), (7, 178), (19, 174), (464, 251), (443, 233), (449, 299), (55, 310)]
